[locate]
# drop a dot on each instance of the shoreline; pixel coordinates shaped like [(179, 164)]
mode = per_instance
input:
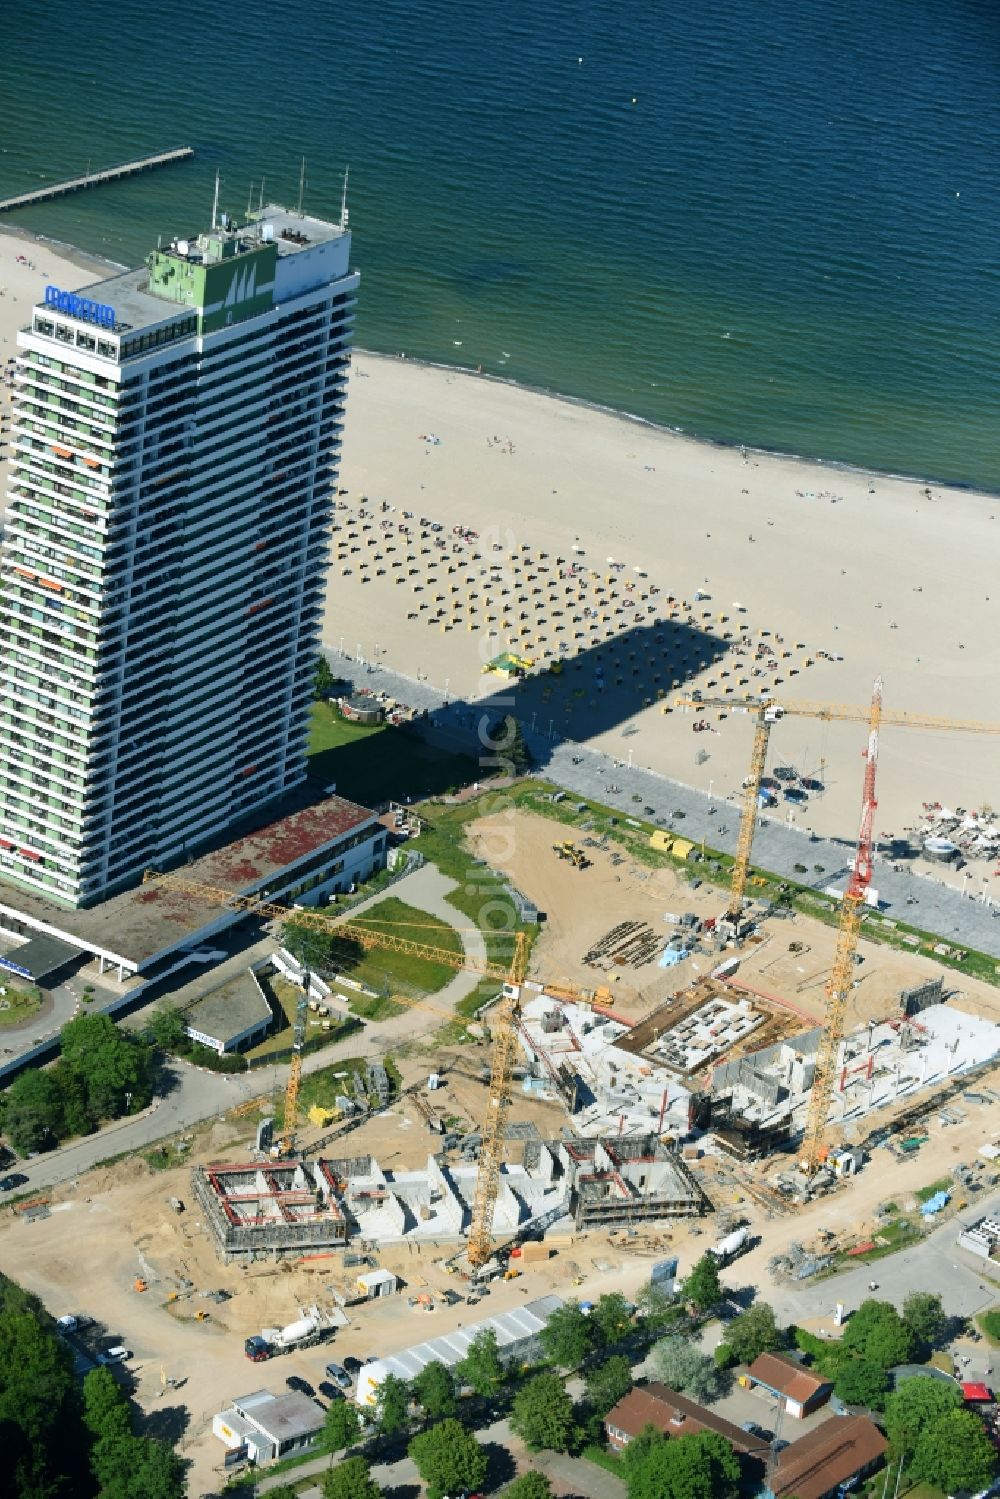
[(674, 563), (87, 261), (714, 444), (83, 260)]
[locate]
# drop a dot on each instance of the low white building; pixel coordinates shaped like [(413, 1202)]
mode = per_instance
[(265, 1426), (377, 1283), (233, 1015), (517, 1342)]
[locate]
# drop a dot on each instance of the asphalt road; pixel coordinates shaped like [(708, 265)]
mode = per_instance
[(936, 1264), (194, 1096), (778, 846)]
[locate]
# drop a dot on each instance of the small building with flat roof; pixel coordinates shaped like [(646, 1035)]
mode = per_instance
[(232, 1015), (269, 1426), (517, 1342)]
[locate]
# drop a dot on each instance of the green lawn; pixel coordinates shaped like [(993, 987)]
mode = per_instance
[(380, 763), (399, 973), (943, 1184), (321, 1087), (990, 1324), (19, 1003)]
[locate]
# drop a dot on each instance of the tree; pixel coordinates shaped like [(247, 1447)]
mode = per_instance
[(131, 1467), (608, 1383), (323, 951), (39, 1406), (350, 1480), (915, 1404), (482, 1368), (754, 1332), (75, 1114), (506, 738), (529, 1486), (568, 1335), (392, 1406), (543, 1414), (926, 1318), (105, 1409), (861, 1382), (953, 1452), (115, 1065), (877, 1332), (611, 1318), (433, 1389), (657, 1307), (32, 1112), (323, 678), (341, 1427), (448, 1458), (155, 1471), (703, 1466), (684, 1368), (168, 1031), (702, 1289)]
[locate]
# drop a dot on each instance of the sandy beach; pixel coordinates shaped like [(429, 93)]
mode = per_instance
[(813, 579)]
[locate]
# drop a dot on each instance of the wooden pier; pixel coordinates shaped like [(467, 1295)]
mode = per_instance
[(94, 179)]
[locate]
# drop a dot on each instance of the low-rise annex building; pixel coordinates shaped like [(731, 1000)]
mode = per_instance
[(517, 1342)]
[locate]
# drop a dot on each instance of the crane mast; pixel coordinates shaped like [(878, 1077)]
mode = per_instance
[(841, 979), (766, 713)]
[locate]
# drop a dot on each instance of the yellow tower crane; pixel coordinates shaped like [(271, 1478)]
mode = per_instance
[(841, 978), (766, 713), (503, 1025)]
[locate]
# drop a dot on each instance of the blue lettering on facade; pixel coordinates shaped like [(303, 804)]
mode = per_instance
[(80, 307)]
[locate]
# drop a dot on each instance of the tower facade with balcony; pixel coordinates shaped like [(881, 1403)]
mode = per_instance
[(176, 437)]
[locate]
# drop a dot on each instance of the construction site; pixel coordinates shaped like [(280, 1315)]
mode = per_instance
[(306, 1209), (676, 1063)]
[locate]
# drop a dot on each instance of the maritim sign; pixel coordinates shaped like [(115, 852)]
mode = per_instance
[(80, 307)]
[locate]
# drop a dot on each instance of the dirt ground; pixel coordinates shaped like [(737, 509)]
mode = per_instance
[(581, 905), (116, 1224)]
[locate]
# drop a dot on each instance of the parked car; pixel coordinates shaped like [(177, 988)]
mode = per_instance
[(339, 1375), (330, 1391), (296, 1382), (15, 1179), (117, 1355), (352, 1364)]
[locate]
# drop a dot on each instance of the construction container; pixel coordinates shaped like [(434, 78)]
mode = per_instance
[(535, 1254)]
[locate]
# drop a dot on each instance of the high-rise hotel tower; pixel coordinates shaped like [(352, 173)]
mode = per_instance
[(176, 436)]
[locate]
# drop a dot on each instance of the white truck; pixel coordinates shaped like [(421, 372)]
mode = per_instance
[(303, 1333), (731, 1246)]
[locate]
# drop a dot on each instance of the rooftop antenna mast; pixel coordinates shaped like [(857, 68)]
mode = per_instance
[(302, 183), (215, 202), (343, 198)]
